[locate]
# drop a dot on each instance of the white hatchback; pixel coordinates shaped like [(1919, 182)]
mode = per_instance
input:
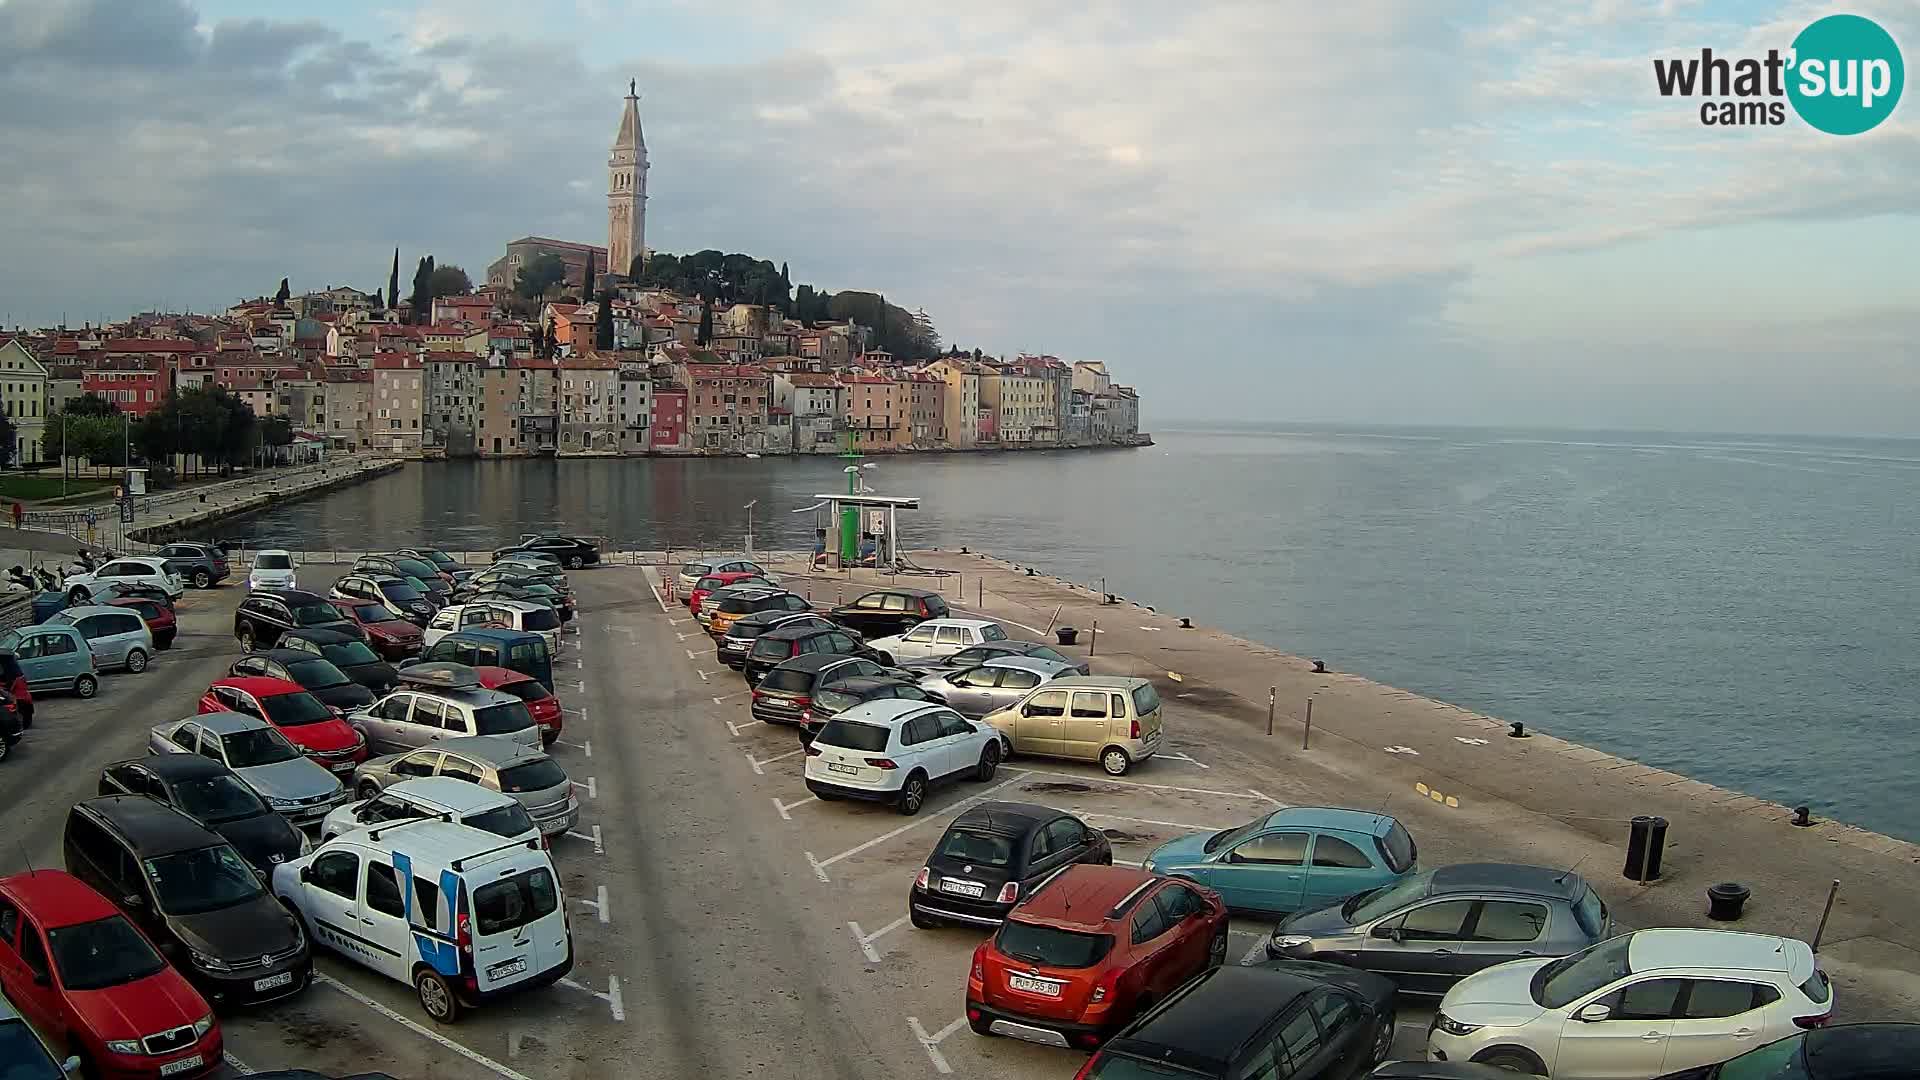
[(273, 568), (893, 750), (937, 638), (1648, 1003), (129, 570)]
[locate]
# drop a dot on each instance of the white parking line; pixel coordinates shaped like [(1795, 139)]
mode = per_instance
[(592, 785), (1182, 757), (1258, 950), (584, 747), (932, 1042), (654, 588), (820, 866), (599, 906), (1126, 862), (235, 1063), (757, 762), (580, 685), (818, 870), (612, 997), (866, 940), (705, 675), (427, 1033), (722, 699), (1151, 821), (785, 807), (598, 847), (689, 652), (1244, 793)]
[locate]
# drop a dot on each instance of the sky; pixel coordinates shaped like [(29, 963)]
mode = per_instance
[(1378, 211)]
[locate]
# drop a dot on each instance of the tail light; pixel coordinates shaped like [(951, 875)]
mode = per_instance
[(1008, 893), (883, 763), (757, 695), (924, 613), (1103, 989), (812, 750), (920, 881), (1135, 731), (980, 963), (1811, 1022), (546, 842), (463, 933), (804, 701)]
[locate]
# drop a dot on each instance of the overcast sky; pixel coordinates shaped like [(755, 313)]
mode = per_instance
[(1389, 211)]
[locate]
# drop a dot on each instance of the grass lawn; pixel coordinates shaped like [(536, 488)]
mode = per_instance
[(29, 487)]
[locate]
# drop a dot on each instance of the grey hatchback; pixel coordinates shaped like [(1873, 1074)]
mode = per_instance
[(1430, 930), (530, 776)]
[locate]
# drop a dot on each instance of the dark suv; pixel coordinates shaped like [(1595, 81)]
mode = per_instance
[(890, 611), (733, 646), (204, 565), (193, 895), (785, 695), (778, 646), (265, 615), (830, 701)]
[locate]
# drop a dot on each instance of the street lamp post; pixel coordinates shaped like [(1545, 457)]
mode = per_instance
[(749, 509)]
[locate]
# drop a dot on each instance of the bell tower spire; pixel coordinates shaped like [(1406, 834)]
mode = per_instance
[(627, 189)]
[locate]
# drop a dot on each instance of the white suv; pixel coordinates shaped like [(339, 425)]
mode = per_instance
[(1647, 1004), (937, 638), (89, 588), (893, 750)]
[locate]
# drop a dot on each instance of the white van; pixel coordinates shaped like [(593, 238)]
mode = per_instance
[(436, 796), (457, 913)]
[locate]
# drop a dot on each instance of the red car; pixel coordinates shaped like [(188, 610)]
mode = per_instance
[(715, 581), (13, 679), (317, 729), (93, 984), (159, 618), (393, 638), (540, 701), (1086, 952)]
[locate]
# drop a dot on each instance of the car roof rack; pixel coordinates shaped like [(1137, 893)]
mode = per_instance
[(440, 675), (443, 816), (461, 863)]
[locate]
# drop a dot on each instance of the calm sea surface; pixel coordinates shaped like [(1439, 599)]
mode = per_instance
[(1740, 609)]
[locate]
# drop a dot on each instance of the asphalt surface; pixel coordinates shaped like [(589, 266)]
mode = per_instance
[(725, 923)]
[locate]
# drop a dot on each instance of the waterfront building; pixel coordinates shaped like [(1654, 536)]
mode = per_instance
[(667, 423), (877, 413), (453, 400), (636, 408), (727, 407), (136, 383), (819, 412), (349, 391), (589, 403), (960, 411), (23, 395), (396, 425)]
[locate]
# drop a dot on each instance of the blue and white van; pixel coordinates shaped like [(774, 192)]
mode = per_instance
[(457, 913)]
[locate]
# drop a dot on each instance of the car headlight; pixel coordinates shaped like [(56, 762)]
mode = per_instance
[(1454, 1027), (1291, 941), (281, 804), (1149, 867), (208, 963), (306, 843), (203, 1025), (125, 1046)]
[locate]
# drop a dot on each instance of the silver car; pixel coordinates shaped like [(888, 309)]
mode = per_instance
[(997, 684), (265, 761), (440, 701), (535, 779)]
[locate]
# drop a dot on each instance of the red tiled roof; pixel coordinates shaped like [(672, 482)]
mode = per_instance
[(589, 361), (813, 380), (395, 361), (150, 345)]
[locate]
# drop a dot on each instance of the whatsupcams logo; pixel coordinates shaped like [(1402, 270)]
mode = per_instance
[(1842, 75)]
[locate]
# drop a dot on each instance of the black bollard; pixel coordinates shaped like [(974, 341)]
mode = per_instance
[(1802, 816), (1725, 900), (1067, 635), (1517, 730), (1319, 667), (1646, 842), (1186, 623)]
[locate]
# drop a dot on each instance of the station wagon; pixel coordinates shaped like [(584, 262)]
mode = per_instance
[(1301, 858), (118, 638)]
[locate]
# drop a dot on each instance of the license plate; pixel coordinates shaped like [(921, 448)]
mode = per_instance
[(342, 766), (962, 888), (272, 982), (511, 967), (185, 1064), (1034, 986), (834, 766)]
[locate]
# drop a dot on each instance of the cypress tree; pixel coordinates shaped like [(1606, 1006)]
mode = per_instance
[(586, 282), (603, 323), (393, 280)]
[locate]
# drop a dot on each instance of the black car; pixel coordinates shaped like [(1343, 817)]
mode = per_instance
[(1295, 1018), (572, 551), (264, 616), (1438, 1070), (12, 728), (785, 695), (192, 894), (315, 674), (732, 648), (350, 654), (1880, 1051), (516, 576), (735, 604), (829, 702), (890, 611), (561, 603), (209, 793), (778, 646), (203, 565), (407, 566), (974, 655), (993, 856)]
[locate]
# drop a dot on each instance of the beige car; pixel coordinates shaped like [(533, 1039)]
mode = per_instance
[(1105, 718)]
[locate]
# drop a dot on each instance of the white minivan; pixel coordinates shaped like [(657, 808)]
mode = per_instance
[(459, 914)]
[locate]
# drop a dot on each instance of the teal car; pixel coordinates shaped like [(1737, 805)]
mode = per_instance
[(54, 657), (1302, 858)]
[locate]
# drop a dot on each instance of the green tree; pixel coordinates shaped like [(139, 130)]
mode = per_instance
[(586, 281), (706, 321), (449, 280), (9, 437), (393, 280), (539, 274), (281, 296), (603, 324), (92, 404)]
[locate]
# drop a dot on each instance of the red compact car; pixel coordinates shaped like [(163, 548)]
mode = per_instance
[(95, 986), (715, 581), (393, 638), (1087, 951), (13, 679), (540, 701), (317, 729), (158, 617)]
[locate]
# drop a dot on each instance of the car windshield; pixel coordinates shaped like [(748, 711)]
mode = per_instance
[(373, 613), (1786, 1060), (980, 848), (834, 701), (417, 568), (349, 654), (1051, 946), (1567, 980), (316, 613), (533, 776), (508, 820), (316, 672), (214, 799), (502, 719), (272, 561), (1369, 906), (1111, 1066), (23, 1056), (439, 558), (501, 906), (257, 746), (399, 590), (1231, 836), (293, 710), (102, 953), (853, 735), (539, 619), (206, 879)]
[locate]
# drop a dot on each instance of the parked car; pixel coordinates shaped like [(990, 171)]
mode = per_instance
[(158, 617), (91, 588), (1292, 1018), (693, 570), (79, 970), (204, 789), (1105, 718), (289, 781), (466, 803), (306, 721), (785, 695), (975, 655), (733, 607), (1436, 1070), (1302, 858), (529, 775), (529, 654), (12, 729), (273, 568), (570, 550), (348, 653), (13, 680), (791, 642), (541, 559), (437, 701), (421, 573), (997, 684), (404, 599), (706, 586), (937, 637), (710, 603), (539, 700), (1645, 1003), (266, 615), (1428, 931), (202, 565), (1877, 1051), (191, 892), (1084, 953), (840, 695), (895, 751), (890, 611), (536, 593), (55, 657), (517, 577), (116, 637), (315, 674), (438, 559), (499, 614), (733, 647), (995, 855), (391, 636)]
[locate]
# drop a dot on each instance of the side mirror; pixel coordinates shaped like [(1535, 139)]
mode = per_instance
[(71, 1066), (134, 901), (1594, 1013), (1389, 932), (41, 978), (306, 874)]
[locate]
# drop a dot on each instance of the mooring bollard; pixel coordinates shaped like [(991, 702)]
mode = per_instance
[(1093, 637), (1306, 735), (1725, 900), (1646, 841), (1821, 930), (1271, 691), (979, 593)]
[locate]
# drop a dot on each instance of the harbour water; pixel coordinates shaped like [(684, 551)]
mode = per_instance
[(1735, 608)]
